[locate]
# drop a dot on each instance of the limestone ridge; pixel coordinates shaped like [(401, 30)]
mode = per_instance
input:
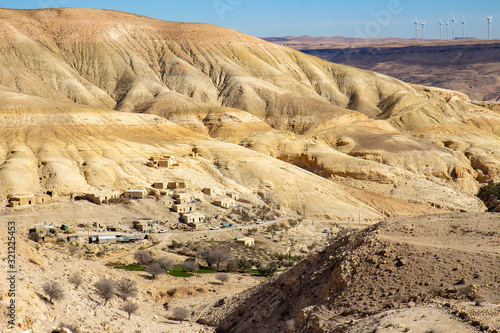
[(65, 72)]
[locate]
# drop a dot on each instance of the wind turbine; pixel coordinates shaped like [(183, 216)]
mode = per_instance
[(463, 26), (488, 18), (416, 30), (448, 29), (453, 21), (440, 29), (423, 31)]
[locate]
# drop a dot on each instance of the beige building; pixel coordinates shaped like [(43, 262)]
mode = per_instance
[(27, 200), (193, 217), (224, 202), (177, 185), (209, 191), (135, 194), (183, 198), (162, 161), (101, 197), (143, 224), (184, 208), (247, 241), (160, 185)]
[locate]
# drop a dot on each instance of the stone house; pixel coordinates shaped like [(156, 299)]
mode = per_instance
[(135, 194), (247, 241), (193, 217), (184, 208), (224, 202)]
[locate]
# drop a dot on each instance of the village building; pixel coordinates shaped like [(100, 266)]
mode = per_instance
[(177, 185), (135, 194), (160, 185), (209, 191), (184, 208), (184, 198), (102, 197), (143, 224), (27, 200), (224, 202), (193, 217), (246, 241), (233, 195), (162, 161)]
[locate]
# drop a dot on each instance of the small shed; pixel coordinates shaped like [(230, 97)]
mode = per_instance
[(111, 239), (247, 241)]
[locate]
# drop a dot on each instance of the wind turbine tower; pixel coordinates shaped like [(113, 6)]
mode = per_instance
[(416, 30), (440, 29), (489, 25), (453, 21), (463, 26), (423, 31), (448, 29)]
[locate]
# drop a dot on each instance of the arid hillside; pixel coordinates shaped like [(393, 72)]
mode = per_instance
[(470, 67), (387, 271), (85, 93)]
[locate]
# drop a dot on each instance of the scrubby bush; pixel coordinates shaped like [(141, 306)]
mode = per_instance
[(189, 265), (214, 256), (181, 313), (155, 269), (165, 263), (130, 308), (106, 289), (126, 288), (268, 270), (76, 279), (142, 257), (222, 277), (243, 264), (53, 290)]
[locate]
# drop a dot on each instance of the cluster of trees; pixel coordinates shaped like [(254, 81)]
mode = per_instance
[(107, 289), (154, 267), (214, 256)]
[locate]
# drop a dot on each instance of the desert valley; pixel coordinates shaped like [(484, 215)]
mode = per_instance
[(183, 177)]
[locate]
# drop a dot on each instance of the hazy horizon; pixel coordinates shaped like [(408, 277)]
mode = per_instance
[(358, 18)]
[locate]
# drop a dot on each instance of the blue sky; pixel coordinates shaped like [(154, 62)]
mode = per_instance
[(348, 18)]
